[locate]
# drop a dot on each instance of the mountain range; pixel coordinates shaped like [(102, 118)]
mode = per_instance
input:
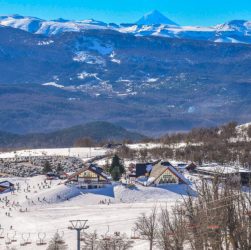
[(151, 24), (53, 79), (96, 131)]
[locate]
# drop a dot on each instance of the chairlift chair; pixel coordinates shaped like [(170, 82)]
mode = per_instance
[(117, 234), (106, 236), (23, 244), (168, 234), (134, 236), (26, 240), (1, 233), (192, 226), (8, 240), (41, 239), (213, 227), (61, 241), (13, 237)]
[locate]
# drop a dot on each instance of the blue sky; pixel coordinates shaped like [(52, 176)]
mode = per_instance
[(184, 12)]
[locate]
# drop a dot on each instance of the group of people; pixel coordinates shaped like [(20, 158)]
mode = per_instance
[(105, 201)]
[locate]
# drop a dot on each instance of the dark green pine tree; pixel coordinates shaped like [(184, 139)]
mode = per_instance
[(47, 167), (116, 168), (59, 168), (115, 173)]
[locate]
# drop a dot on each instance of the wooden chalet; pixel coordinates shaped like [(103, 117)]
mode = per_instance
[(89, 177), (164, 173)]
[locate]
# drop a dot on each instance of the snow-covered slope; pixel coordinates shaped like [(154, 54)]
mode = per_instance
[(48, 28), (48, 206), (151, 24)]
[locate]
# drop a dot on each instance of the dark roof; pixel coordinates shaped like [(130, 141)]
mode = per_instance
[(98, 170), (166, 163), (141, 168), (6, 184), (191, 166)]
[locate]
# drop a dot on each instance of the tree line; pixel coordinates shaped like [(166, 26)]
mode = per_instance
[(202, 145)]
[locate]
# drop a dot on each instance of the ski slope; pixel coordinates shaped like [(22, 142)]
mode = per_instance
[(48, 207)]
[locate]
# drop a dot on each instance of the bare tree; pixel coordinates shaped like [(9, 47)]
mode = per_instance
[(219, 217), (115, 242), (90, 241), (147, 226), (171, 229)]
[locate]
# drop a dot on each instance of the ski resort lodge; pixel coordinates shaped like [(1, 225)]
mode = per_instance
[(161, 173), (89, 177)]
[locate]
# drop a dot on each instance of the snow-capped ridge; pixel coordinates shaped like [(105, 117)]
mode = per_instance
[(151, 24)]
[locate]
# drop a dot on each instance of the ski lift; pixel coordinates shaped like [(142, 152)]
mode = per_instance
[(28, 240), (70, 227), (41, 239), (25, 240), (60, 241), (134, 235), (8, 240), (1, 233), (14, 237), (106, 236), (117, 234), (82, 238), (192, 226), (23, 244), (168, 234), (213, 227)]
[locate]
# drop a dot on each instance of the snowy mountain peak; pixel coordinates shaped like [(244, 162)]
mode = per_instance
[(60, 20), (155, 17), (16, 16), (238, 25)]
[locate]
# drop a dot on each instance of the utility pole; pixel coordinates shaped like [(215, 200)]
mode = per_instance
[(78, 225)]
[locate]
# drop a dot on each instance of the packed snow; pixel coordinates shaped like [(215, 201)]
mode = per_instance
[(41, 208)]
